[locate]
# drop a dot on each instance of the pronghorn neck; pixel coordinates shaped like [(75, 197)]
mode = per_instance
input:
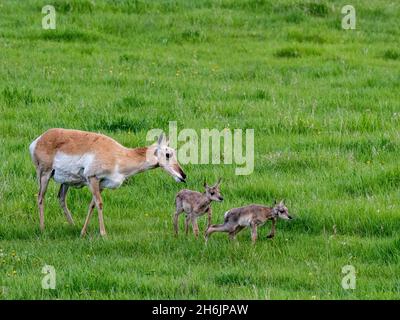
[(270, 213), (206, 201), (137, 161)]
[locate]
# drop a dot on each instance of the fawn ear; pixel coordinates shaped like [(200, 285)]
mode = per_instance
[(282, 202), (274, 202), (216, 185), (205, 184)]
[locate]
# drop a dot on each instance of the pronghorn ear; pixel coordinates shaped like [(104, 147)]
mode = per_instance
[(275, 202), (161, 139), (160, 142), (282, 202)]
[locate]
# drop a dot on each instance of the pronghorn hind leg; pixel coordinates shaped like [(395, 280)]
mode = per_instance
[(176, 217), (178, 211), (62, 196), (44, 177), (89, 215), (94, 185), (225, 227)]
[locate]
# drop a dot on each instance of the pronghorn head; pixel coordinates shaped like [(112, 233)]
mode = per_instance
[(280, 211), (213, 192), (166, 157)]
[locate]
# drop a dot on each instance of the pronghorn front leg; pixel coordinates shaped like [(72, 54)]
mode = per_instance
[(272, 233), (62, 195), (195, 227), (94, 185), (253, 232), (187, 221), (209, 216)]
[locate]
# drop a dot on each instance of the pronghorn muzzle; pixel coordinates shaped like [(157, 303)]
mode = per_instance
[(182, 175)]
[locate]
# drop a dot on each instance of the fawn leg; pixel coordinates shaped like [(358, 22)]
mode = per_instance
[(94, 185), (187, 220), (217, 228), (62, 197), (232, 234), (195, 226), (272, 233), (44, 178), (178, 211), (253, 233), (176, 216), (89, 215), (209, 216)]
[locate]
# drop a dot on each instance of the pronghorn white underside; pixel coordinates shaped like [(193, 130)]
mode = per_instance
[(72, 169), (75, 170), (245, 221)]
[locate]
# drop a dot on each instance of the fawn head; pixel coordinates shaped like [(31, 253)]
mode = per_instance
[(166, 158), (281, 211), (213, 193)]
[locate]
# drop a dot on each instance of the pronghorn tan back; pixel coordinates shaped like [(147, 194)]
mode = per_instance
[(76, 142)]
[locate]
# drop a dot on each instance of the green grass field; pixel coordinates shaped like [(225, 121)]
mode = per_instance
[(325, 109)]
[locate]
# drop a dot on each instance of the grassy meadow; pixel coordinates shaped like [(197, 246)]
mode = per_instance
[(324, 105)]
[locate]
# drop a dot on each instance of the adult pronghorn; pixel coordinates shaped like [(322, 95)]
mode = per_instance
[(77, 158)]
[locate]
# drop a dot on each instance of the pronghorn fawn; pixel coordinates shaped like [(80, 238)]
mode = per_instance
[(252, 216), (196, 204), (76, 158)]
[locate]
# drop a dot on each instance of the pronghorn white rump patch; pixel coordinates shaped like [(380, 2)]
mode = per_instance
[(226, 214), (32, 146), (72, 169)]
